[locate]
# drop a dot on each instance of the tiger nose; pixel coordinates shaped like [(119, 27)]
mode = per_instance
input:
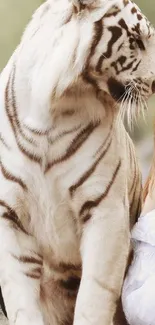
[(153, 86)]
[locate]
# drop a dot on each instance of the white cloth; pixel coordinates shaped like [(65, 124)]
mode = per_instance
[(138, 296)]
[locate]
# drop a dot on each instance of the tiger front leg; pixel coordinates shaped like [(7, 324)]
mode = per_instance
[(20, 269), (104, 251)]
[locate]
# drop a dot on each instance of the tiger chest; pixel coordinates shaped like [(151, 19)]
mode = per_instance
[(51, 220)]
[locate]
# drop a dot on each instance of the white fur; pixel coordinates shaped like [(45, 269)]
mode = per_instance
[(46, 71)]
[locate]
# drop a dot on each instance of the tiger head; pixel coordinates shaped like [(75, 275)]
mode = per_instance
[(120, 57), (91, 46)]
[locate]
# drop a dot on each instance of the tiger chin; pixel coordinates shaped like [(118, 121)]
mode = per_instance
[(70, 186)]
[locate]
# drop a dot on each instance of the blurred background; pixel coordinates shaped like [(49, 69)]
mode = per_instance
[(14, 15)]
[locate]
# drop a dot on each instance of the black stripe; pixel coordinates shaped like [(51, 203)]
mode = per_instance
[(3, 141), (132, 164), (126, 2), (77, 142), (116, 34), (133, 10), (7, 106), (63, 267), (98, 32), (11, 215), (128, 66), (12, 178), (90, 171), (113, 13), (135, 205), (34, 274), (36, 131), (101, 147), (124, 26), (13, 124), (139, 206), (15, 114), (2, 305), (28, 260), (90, 80), (87, 206), (136, 67), (63, 133)]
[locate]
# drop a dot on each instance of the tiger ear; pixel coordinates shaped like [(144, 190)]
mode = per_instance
[(81, 4)]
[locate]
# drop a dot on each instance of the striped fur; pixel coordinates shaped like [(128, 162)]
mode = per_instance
[(70, 185)]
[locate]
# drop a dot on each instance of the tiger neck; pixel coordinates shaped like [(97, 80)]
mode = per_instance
[(72, 109)]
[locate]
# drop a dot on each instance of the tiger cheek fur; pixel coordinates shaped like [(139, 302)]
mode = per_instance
[(70, 185)]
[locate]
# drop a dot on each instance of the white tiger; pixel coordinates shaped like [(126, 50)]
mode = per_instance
[(69, 183)]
